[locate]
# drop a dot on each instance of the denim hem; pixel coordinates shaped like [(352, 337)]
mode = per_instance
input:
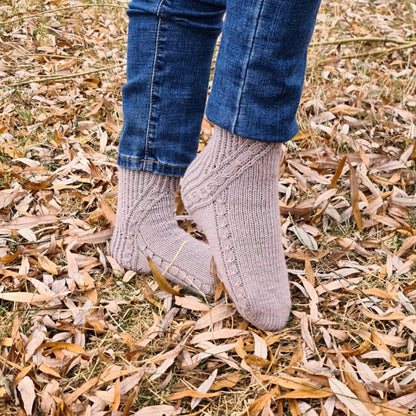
[(150, 165), (276, 136)]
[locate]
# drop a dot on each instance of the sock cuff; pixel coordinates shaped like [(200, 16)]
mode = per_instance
[(133, 180), (225, 158), (136, 184)]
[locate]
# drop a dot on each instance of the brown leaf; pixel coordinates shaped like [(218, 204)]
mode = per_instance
[(108, 212), (258, 404), (27, 393), (348, 110), (70, 398), (306, 393), (76, 349), (49, 371), (47, 265), (10, 258), (255, 361), (381, 346), (337, 174), (226, 383), (24, 297), (191, 393), (23, 373), (354, 198), (117, 397), (294, 408)]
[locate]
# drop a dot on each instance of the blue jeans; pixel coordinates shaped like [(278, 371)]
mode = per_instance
[(257, 83)]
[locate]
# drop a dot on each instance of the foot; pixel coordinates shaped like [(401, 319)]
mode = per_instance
[(231, 192), (146, 227)]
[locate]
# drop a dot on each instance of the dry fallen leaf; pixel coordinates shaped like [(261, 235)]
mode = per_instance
[(24, 297), (27, 393), (346, 396)]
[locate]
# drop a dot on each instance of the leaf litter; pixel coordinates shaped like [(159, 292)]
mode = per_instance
[(79, 335)]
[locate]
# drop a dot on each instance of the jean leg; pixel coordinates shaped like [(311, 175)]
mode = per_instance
[(260, 67), (169, 51)]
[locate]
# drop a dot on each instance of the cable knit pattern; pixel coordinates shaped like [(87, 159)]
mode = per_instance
[(231, 191), (146, 227)]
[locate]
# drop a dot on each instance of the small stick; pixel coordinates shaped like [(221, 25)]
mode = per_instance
[(372, 52), (356, 40), (64, 77)]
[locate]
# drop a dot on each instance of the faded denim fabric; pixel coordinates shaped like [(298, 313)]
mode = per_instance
[(257, 83)]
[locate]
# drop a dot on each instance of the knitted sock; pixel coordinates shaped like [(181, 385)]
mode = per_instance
[(231, 191), (146, 226)]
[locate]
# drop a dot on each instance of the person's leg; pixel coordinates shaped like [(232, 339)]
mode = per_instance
[(170, 47), (231, 189)]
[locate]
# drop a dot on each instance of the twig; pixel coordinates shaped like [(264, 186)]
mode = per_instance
[(372, 52), (59, 9), (356, 40), (64, 77)]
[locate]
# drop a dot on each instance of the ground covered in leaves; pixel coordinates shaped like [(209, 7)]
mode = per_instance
[(81, 336)]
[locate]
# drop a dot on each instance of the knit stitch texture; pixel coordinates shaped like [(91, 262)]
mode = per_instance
[(146, 227), (231, 191)]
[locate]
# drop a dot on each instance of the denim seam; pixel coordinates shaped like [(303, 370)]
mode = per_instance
[(243, 83), (159, 23)]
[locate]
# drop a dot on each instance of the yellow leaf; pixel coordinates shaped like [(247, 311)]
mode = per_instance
[(337, 173), (362, 349), (48, 370), (306, 393), (76, 349), (160, 280), (117, 396), (47, 265), (6, 342), (294, 408), (294, 383), (239, 348), (258, 404), (9, 258), (191, 393), (23, 373)]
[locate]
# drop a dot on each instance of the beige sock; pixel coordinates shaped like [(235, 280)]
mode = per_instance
[(146, 226), (231, 192)]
